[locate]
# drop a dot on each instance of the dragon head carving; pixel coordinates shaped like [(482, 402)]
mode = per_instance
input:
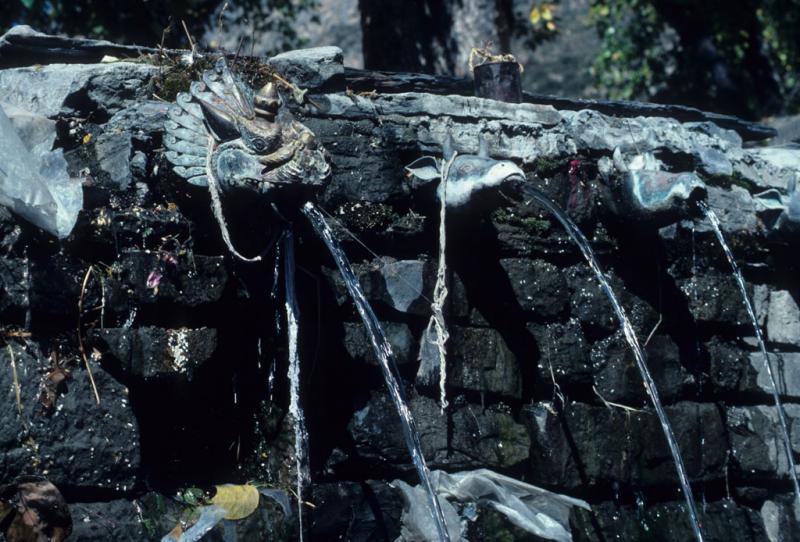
[(223, 132)]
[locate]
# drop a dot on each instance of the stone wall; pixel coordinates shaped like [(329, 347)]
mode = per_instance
[(182, 339)]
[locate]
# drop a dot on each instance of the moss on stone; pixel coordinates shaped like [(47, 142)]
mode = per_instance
[(366, 216), (725, 181), (175, 77), (546, 167), (533, 226)]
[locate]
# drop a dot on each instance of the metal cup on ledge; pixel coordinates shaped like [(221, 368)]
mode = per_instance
[(498, 81)]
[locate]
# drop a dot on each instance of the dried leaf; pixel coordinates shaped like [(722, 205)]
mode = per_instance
[(535, 15), (33, 510), (239, 501), (177, 532)]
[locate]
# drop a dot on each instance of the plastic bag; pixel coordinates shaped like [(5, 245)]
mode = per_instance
[(537, 511), (34, 182)]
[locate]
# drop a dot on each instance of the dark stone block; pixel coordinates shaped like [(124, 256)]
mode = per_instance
[(149, 277), (479, 360), (148, 352), (539, 287), (311, 68), (592, 307), (354, 511), (729, 367), (721, 521), (144, 121), (598, 445), (564, 349), (617, 377), (56, 286), (74, 441), (112, 520), (360, 349), (129, 228), (715, 297), (397, 285), (757, 443), (488, 438), (14, 289), (367, 165)]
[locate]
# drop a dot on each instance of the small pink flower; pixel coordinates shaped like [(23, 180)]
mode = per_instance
[(153, 280), (169, 257), (574, 166)]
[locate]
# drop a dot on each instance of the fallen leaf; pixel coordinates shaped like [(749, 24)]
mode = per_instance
[(237, 501), (177, 532), (33, 510)]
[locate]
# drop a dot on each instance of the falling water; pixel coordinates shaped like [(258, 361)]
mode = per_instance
[(383, 352), (630, 336), (712, 218), (295, 410)]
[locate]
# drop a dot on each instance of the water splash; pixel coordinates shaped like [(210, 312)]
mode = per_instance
[(630, 336), (383, 351), (712, 218), (295, 410)]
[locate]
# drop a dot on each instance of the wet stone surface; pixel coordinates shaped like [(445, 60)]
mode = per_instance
[(563, 445), (148, 352), (488, 437), (541, 384), (61, 431)]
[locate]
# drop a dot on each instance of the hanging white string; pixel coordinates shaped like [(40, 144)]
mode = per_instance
[(437, 324), (216, 204)]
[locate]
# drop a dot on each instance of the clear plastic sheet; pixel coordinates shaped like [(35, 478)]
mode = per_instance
[(210, 516), (34, 182), (537, 511)]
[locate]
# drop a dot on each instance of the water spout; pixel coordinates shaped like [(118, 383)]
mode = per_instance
[(712, 218), (295, 410), (630, 335), (649, 195), (383, 352)]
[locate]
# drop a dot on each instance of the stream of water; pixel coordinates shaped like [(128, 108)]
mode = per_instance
[(630, 336), (714, 221), (383, 351), (295, 409)]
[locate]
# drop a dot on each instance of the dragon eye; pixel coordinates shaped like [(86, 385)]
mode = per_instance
[(258, 144)]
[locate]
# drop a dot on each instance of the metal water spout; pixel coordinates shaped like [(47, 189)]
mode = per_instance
[(781, 213), (645, 193), (469, 175)]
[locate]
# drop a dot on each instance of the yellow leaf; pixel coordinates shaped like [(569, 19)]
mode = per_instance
[(551, 26), (536, 15), (237, 501), (87, 138), (547, 12)]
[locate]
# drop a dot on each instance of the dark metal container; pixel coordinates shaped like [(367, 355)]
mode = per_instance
[(498, 81)]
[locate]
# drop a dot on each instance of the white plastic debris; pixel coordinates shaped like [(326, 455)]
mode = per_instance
[(210, 516), (645, 161), (34, 182), (280, 497), (535, 510), (417, 523)]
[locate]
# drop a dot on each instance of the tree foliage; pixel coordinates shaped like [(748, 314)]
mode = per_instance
[(740, 58), (144, 23)]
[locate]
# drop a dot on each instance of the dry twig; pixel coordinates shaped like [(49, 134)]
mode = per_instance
[(81, 349), (17, 389), (609, 404)]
